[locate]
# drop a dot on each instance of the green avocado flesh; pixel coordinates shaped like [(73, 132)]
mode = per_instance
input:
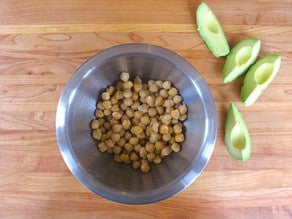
[(210, 31), (240, 58), (237, 137), (258, 77)]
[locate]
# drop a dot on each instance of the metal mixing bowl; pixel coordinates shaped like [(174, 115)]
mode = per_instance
[(119, 182)]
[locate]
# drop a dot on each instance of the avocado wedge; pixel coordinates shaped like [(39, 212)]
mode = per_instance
[(258, 77), (237, 137), (240, 58), (210, 31)]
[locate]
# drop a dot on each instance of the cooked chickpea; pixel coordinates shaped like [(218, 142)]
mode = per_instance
[(145, 120), (179, 137), (166, 85), (150, 156), (105, 96), (107, 112), (145, 167), (117, 149), (177, 128), (177, 99), (175, 114), (115, 137), (157, 159), (163, 93), (152, 112), (125, 158), (133, 140), (172, 91), (165, 151), (163, 129), (127, 85), (117, 115), (124, 76), (129, 147), (153, 88), (95, 124), (183, 109), (136, 130), (150, 147), (142, 152), (126, 124), (175, 147), (136, 164), (102, 147), (97, 134)]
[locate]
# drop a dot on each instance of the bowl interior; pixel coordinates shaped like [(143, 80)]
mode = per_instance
[(119, 182)]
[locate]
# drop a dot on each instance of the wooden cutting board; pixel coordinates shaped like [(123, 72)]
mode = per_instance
[(43, 42)]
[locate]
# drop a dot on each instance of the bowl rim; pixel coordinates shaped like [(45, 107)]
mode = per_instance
[(184, 66)]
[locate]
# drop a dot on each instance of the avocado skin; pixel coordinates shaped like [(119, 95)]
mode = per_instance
[(234, 117), (251, 89), (217, 44), (231, 70)]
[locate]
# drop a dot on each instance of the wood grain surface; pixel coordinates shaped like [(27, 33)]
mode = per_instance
[(43, 42)]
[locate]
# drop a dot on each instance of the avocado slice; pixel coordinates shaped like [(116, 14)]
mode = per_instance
[(240, 58), (210, 31), (258, 77), (237, 137)]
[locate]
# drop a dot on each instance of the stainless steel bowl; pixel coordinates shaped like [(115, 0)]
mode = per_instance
[(119, 182)]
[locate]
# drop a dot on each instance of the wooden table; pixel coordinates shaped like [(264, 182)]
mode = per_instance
[(43, 42)]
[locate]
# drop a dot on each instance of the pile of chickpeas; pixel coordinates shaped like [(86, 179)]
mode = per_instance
[(139, 123)]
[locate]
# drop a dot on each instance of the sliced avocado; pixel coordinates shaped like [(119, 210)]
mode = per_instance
[(237, 137), (240, 58), (210, 31), (258, 77)]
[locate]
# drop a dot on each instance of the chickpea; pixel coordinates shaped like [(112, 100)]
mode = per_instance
[(118, 95), (150, 156), (137, 87), (143, 108), (145, 167), (127, 85), (128, 102), (117, 149), (175, 147), (116, 115), (99, 113), (121, 142), (107, 112), (159, 83), (115, 137), (150, 100), (110, 90), (97, 134), (102, 147), (183, 117), (177, 99), (127, 135), (159, 101), (172, 91), (100, 106), (163, 129), (182, 109), (154, 137), (166, 85), (136, 164), (129, 147), (126, 124), (152, 112), (168, 103), (105, 95), (117, 158), (136, 130), (135, 96), (107, 104), (124, 76), (177, 128), (175, 114), (179, 137), (125, 158), (150, 147), (153, 88), (163, 93), (137, 148), (142, 152), (134, 156), (133, 140), (95, 124), (160, 110), (157, 159), (145, 120), (166, 137), (129, 112), (165, 151)]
